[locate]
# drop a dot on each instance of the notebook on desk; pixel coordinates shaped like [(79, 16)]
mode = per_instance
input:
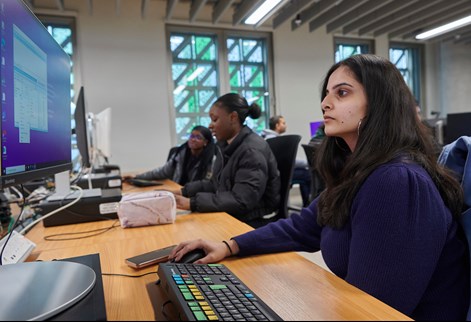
[(92, 306)]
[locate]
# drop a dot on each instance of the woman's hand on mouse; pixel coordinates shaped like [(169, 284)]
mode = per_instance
[(215, 251)]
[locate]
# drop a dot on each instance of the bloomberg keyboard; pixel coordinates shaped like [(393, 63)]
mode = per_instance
[(202, 292)]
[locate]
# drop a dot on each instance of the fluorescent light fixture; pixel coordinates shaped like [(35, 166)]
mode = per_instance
[(261, 11), (445, 28)]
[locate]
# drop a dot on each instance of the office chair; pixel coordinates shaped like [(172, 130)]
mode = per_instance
[(285, 148), (457, 157), (317, 183)]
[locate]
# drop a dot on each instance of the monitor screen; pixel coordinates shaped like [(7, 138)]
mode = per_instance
[(80, 117), (457, 124), (102, 129), (314, 126), (35, 98)]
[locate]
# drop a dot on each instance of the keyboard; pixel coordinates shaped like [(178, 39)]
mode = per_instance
[(211, 292), (17, 250), (143, 182)]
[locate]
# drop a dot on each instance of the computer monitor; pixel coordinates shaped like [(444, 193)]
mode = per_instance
[(314, 126), (101, 138), (81, 130), (35, 98), (457, 124), (35, 143)]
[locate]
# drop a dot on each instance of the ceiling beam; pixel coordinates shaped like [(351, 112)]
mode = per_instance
[(336, 11), (220, 7), (410, 9), (289, 11), (60, 5), (410, 32), (355, 14), (453, 35), (244, 9), (171, 4), (432, 21), (462, 37), (375, 15), (195, 8), (314, 10), (462, 40), (408, 18)]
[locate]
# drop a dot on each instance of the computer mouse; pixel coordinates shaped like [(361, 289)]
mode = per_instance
[(192, 256)]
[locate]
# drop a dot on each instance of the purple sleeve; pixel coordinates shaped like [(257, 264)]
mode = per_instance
[(299, 232), (399, 228)]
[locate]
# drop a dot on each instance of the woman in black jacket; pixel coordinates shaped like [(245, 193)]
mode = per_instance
[(191, 161), (246, 181)]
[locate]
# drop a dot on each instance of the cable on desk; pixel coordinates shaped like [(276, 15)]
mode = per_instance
[(127, 275), (98, 232), (18, 220), (24, 230)]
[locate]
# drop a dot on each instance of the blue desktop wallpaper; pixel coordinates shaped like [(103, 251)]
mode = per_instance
[(35, 89)]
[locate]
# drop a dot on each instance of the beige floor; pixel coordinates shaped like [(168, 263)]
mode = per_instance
[(295, 200)]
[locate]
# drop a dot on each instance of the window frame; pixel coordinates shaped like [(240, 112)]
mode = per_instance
[(223, 85), (418, 63), (354, 42)]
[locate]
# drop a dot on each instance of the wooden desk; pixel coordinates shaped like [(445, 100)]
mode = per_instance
[(294, 287)]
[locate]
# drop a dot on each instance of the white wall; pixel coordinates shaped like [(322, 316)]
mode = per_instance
[(124, 65)]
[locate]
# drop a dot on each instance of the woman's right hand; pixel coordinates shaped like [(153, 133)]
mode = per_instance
[(215, 251)]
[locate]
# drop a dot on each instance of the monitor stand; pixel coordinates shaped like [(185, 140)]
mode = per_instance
[(62, 183), (39, 290)]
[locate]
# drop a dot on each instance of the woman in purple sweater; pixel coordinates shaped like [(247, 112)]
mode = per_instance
[(387, 221)]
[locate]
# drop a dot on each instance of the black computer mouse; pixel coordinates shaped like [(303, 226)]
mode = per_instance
[(192, 256)]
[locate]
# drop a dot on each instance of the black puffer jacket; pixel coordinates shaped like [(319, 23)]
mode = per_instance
[(245, 181)]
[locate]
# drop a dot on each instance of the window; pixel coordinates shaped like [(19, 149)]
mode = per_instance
[(207, 64), (406, 57), (345, 48)]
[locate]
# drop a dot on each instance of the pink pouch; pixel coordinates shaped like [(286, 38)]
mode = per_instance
[(147, 209)]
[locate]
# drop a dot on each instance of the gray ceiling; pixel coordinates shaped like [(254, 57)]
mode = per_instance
[(397, 19)]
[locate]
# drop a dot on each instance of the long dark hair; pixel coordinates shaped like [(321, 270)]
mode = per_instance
[(391, 129)]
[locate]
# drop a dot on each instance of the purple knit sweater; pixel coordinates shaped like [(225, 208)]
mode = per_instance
[(400, 244)]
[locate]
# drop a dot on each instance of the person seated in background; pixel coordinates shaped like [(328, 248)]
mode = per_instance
[(193, 160), (277, 126), (388, 220), (246, 182)]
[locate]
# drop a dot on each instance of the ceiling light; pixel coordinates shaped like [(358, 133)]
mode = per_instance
[(445, 28), (262, 11)]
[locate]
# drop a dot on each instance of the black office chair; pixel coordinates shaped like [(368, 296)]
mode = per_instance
[(285, 148), (317, 183)]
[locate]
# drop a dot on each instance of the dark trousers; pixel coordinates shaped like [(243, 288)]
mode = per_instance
[(302, 176)]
